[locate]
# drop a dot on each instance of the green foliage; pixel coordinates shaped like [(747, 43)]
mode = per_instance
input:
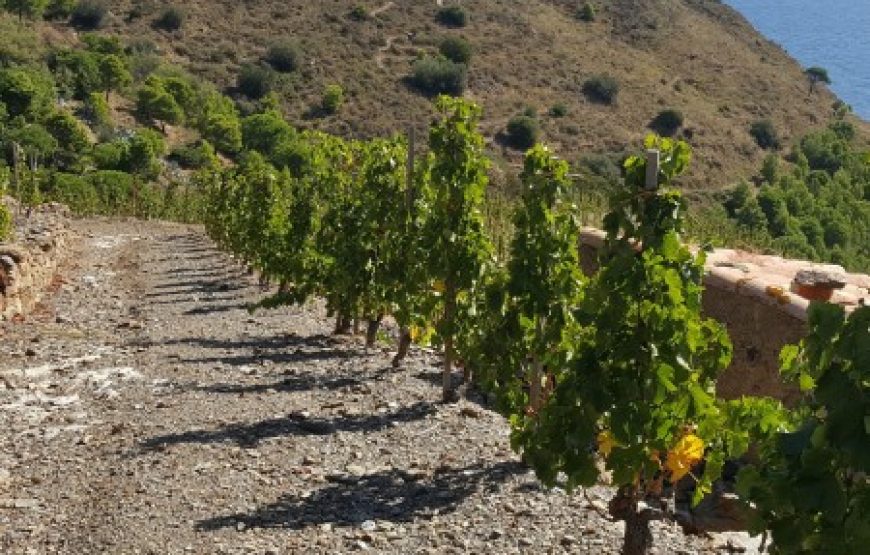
[(523, 132), (456, 49), (765, 134), (155, 103), (643, 362), (144, 151), (171, 19), (195, 156), (113, 73), (75, 192), (819, 210), (5, 222), (333, 98), (667, 122), (438, 75), (586, 13), (21, 44), (526, 317), (26, 92), (358, 13), (601, 89), (96, 111), (33, 139), (810, 485), (284, 56), (71, 136), (59, 9), (452, 16), (88, 14), (558, 110), (254, 81), (817, 75), (32, 9)]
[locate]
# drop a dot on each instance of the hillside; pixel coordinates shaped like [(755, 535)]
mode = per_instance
[(697, 56)]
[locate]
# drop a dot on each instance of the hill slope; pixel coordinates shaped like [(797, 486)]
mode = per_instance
[(697, 56)]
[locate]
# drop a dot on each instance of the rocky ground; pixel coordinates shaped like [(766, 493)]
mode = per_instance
[(144, 410)]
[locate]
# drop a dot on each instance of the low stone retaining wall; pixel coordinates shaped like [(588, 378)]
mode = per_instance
[(29, 261), (751, 295)]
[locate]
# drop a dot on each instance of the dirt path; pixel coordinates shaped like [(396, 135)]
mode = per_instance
[(148, 412)]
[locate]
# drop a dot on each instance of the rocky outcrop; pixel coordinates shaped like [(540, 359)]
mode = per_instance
[(29, 261)]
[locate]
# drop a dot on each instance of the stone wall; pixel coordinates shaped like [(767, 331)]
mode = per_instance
[(29, 261), (751, 295)]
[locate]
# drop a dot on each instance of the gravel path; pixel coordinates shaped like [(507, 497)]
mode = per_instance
[(144, 410)]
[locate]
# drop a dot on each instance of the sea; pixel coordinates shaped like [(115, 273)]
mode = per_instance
[(833, 34)]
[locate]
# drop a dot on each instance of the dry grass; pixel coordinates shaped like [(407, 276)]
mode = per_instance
[(696, 56)]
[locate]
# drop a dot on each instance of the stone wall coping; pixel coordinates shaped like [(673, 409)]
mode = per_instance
[(767, 278)]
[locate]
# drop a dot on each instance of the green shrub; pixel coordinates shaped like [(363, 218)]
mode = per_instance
[(110, 156), (88, 14), (224, 131), (254, 81), (523, 132), (439, 75), (602, 89), (333, 98), (452, 16), (765, 134), (559, 110), (586, 13), (59, 9), (358, 13), (75, 192), (171, 19), (667, 122), (456, 49), (194, 156), (5, 222), (284, 56), (114, 190)]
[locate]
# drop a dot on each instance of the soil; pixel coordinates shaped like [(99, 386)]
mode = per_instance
[(143, 409)]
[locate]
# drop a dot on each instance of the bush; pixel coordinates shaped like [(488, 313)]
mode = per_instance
[(456, 49), (59, 9), (170, 20), (602, 89), (254, 81), (586, 13), (452, 16), (439, 76), (75, 192), (110, 156), (333, 98), (88, 14), (358, 13), (284, 56), (194, 156), (523, 132), (558, 110), (667, 122), (765, 134)]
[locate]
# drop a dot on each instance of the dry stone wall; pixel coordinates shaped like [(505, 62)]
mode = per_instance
[(753, 296), (29, 260)]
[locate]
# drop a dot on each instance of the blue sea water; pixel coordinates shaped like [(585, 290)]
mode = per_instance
[(834, 34)]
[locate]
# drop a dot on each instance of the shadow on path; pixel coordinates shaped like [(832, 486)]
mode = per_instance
[(394, 496), (250, 434)]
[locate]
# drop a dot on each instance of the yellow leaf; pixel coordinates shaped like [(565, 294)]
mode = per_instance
[(606, 443), (686, 453), (438, 286)]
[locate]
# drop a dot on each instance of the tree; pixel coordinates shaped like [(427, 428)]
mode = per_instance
[(30, 8), (114, 74), (817, 75), (153, 102), (25, 92)]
